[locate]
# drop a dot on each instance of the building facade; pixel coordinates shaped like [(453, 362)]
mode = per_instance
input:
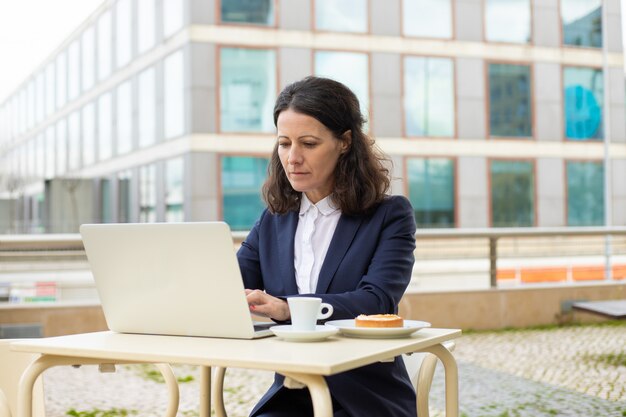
[(493, 112)]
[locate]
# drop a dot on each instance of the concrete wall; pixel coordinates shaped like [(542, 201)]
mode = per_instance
[(56, 321)]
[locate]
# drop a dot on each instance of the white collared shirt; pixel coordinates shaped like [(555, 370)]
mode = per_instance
[(316, 227)]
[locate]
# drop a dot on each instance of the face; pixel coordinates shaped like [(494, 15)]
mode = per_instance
[(309, 153)]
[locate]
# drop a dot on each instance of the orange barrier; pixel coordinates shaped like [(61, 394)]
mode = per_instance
[(558, 274)]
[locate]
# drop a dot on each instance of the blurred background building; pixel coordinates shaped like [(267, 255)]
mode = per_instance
[(494, 112)]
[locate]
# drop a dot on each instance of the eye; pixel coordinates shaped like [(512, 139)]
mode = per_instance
[(309, 144), (283, 144)]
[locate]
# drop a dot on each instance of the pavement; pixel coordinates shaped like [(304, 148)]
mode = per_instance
[(570, 371)]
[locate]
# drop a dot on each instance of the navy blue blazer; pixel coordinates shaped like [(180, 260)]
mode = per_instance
[(366, 271)]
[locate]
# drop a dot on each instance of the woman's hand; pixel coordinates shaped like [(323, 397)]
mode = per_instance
[(263, 304)]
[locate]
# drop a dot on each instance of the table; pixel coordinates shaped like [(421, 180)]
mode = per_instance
[(306, 363)]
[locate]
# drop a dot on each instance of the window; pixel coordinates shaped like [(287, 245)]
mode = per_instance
[(146, 19), (40, 170), (259, 12), (242, 178), (147, 194), (431, 191), (507, 21), (106, 194), (73, 71), (349, 68), (88, 57), (89, 134), (583, 103), (172, 17), (512, 193), (174, 191), (174, 95), (247, 89), (30, 112), (341, 16), (39, 102), (61, 90), (123, 32), (61, 147), (50, 152), (146, 110), (429, 96), (50, 101), (124, 110), (124, 196), (73, 142), (582, 22), (509, 101), (104, 46), (427, 18), (105, 132), (585, 193)]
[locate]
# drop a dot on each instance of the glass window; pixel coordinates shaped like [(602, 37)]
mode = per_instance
[(73, 143), (582, 22), (105, 132), (247, 89), (106, 212), (124, 196), (147, 194), (146, 110), (23, 110), (174, 191), (429, 96), (242, 178), (50, 152), (61, 147), (88, 57), (32, 158), (341, 16), (73, 71), (89, 134), (507, 21), (512, 193), (40, 170), (431, 191), (427, 18), (583, 103), (122, 33), (50, 83), (124, 118), (174, 102), (39, 102), (30, 109), (104, 46), (585, 193), (172, 17), (259, 12), (145, 25), (509, 101), (349, 68), (61, 90)]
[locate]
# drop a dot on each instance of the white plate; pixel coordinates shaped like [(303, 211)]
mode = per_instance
[(287, 332), (348, 328)]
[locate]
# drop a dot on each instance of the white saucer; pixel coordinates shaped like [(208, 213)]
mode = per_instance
[(348, 328), (287, 332)]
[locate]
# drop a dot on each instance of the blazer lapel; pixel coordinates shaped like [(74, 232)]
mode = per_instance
[(286, 232), (339, 245)]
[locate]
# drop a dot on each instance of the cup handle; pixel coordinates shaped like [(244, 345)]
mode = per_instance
[(322, 316)]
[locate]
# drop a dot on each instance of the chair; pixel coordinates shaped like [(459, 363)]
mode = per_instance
[(12, 365)]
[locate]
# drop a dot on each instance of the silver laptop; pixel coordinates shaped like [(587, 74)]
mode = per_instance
[(170, 279)]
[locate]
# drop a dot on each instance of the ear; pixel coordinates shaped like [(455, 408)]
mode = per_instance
[(346, 141)]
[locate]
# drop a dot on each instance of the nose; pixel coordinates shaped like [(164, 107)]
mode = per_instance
[(294, 157)]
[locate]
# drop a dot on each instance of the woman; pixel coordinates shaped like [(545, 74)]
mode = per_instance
[(330, 230)]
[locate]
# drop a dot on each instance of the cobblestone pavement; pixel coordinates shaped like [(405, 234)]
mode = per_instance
[(568, 371)]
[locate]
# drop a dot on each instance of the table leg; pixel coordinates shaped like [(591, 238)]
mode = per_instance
[(205, 391), (172, 387), (320, 395), (451, 378), (217, 393)]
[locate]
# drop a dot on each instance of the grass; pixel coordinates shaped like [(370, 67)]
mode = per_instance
[(612, 359), (148, 372), (96, 412), (546, 327)]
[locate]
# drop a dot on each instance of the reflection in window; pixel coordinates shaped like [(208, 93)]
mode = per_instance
[(147, 194), (146, 110), (174, 95), (583, 103), (145, 25), (104, 46), (429, 96), (124, 196), (174, 191), (172, 17), (341, 16), (105, 132), (507, 21), (259, 12), (106, 204), (73, 70), (247, 89), (89, 134), (61, 85), (582, 22), (512, 193), (73, 142), (88, 57), (349, 68), (242, 178), (124, 118), (509, 101), (122, 32), (427, 18), (61, 147), (585, 193), (50, 152), (431, 191)]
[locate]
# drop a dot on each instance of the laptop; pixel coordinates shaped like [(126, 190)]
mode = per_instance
[(179, 279)]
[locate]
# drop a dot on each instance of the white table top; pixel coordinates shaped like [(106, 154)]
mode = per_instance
[(336, 354)]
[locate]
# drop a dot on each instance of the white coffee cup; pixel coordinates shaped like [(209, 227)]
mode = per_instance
[(305, 311)]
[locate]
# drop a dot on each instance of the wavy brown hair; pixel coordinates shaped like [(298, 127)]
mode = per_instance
[(361, 178)]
